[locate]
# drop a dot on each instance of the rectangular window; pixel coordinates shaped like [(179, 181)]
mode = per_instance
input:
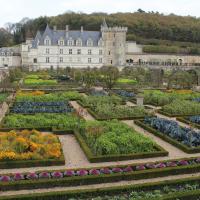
[(109, 53), (89, 52), (47, 59), (89, 60), (61, 51), (61, 59), (70, 51), (79, 51), (100, 60), (47, 51), (100, 52)]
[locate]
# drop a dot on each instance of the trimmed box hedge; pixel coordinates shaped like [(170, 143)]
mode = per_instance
[(31, 163), (110, 118), (172, 115), (167, 138), (186, 121), (109, 158), (97, 179)]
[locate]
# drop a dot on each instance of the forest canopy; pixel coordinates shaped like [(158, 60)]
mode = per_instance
[(146, 28)]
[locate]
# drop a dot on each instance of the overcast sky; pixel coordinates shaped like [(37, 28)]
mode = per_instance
[(15, 10)]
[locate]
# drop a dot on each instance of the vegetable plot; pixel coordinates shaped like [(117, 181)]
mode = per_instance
[(41, 107), (170, 128), (114, 137)]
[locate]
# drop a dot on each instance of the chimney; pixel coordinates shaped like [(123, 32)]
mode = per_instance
[(54, 28), (81, 29), (67, 31)]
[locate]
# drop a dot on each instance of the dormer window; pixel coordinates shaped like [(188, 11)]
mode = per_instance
[(61, 42), (70, 42), (89, 42), (100, 42), (47, 41), (78, 42)]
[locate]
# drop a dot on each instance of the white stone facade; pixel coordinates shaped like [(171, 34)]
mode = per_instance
[(68, 48), (10, 57)]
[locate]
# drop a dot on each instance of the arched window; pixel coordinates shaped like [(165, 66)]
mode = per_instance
[(47, 41), (90, 42), (79, 42)]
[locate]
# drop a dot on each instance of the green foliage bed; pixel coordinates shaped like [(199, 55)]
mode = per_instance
[(56, 96), (60, 121), (109, 107), (126, 81), (160, 98), (114, 137), (39, 82), (3, 97), (182, 107)]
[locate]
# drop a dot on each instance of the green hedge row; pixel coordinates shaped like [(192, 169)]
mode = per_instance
[(109, 158), (94, 179), (167, 138), (110, 118), (186, 121), (64, 195), (172, 115), (31, 163)]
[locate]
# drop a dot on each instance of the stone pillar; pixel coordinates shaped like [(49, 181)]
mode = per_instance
[(140, 100)]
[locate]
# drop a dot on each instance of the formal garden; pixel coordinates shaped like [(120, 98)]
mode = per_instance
[(98, 141)]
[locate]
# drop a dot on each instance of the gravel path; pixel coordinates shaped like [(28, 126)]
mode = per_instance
[(75, 158)]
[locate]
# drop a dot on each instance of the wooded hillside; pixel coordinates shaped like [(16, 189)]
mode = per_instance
[(145, 28)]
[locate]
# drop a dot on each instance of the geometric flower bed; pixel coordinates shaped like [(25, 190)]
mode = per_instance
[(29, 145), (160, 98), (124, 93), (40, 121), (192, 120), (41, 107), (113, 140), (96, 175), (109, 107), (181, 108), (184, 138), (40, 96)]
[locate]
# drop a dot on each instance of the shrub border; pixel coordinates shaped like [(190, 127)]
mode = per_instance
[(173, 115), (184, 120), (111, 118), (113, 189), (94, 179), (167, 138), (109, 158)]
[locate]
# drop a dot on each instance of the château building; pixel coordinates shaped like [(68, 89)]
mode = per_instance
[(76, 48), (54, 48)]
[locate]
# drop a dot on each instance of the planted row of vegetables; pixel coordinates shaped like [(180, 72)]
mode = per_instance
[(110, 107), (161, 98), (170, 128), (59, 121), (41, 107), (115, 138)]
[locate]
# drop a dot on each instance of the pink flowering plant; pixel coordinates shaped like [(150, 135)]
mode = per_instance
[(96, 171)]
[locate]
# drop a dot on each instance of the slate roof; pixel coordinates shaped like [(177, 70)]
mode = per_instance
[(56, 35)]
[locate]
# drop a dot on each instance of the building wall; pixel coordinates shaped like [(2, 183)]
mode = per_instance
[(10, 61), (163, 59)]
